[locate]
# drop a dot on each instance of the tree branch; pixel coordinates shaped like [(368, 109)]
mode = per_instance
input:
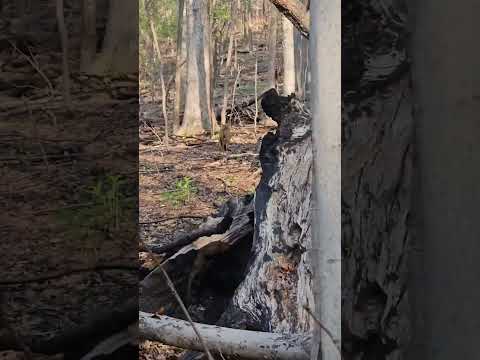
[(296, 12), (242, 343)]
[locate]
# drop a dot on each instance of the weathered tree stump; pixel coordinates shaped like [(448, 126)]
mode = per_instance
[(277, 285)]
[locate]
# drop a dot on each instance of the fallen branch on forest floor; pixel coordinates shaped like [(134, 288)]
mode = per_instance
[(69, 272), (186, 313), (211, 227), (229, 342), (171, 218)]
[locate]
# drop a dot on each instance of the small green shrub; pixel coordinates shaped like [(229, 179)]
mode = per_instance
[(105, 206), (183, 192)]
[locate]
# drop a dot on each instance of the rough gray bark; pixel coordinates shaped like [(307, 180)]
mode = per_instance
[(377, 170), (301, 45), (296, 12), (272, 48), (196, 118), (278, 284)]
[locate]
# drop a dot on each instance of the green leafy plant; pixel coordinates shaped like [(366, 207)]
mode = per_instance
[(183, 192), (104, 207)]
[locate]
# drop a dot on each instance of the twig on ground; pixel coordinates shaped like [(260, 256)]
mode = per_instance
[(185, 311), (35, 65), (172, 218), (328, 332)]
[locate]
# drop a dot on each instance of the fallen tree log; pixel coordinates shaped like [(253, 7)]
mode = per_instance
[(215, 225), (225, 341)]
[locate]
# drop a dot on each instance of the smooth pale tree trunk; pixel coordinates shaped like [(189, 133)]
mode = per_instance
[(325, 58), (446, 87), (120, 48), (196, 119), (89, 34), (289, 74)]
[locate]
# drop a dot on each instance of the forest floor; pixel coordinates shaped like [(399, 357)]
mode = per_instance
[(62, 262), (208, 176)]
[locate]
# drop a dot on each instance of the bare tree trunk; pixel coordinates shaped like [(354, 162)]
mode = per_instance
[(120, 47), (326, 137), (197, 117), (301, 63), (272, 49), (179, 69), (249, 26), (256, 96), (164, 102), (289, 70), (228, 69), (65, 66), (156, 45), (208, 61), (89, 34)]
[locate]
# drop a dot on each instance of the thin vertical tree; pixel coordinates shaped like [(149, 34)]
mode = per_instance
[(325, 45), (272, 47), (62, 29), (179, 68), (89, 34), (228, 70)]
